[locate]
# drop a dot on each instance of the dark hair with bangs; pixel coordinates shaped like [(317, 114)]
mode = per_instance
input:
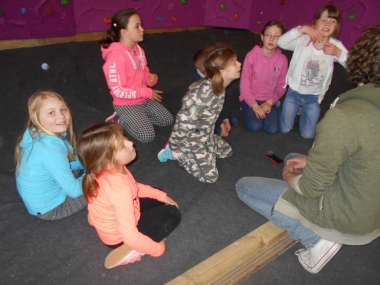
[(119, 21), (332, 12), (363, 63)]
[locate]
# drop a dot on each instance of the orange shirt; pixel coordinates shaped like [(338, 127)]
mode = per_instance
[(115, 211)]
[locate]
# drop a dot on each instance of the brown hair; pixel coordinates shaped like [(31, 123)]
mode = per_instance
[(218, 59), (119, 21), (34, 105), (363, 63), (279, 24), (97, 147), (200, 55), (332, 12)]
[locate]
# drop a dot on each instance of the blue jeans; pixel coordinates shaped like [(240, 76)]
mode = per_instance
[(308, 116), (261, 194), (254, 124)]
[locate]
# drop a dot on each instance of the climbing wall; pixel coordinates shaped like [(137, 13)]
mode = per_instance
[(25, 19)]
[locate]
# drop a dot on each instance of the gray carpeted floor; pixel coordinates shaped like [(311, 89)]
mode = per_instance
[(68, 251)]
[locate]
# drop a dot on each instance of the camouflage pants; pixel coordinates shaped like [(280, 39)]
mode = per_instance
[(199, 156)]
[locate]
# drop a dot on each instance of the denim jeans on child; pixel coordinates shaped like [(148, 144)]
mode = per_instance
[(309, 114), (261, 194), (254, 124)]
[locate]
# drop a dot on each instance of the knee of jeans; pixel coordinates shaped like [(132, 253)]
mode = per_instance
[(253, 128), (272, 130), (308, 134)]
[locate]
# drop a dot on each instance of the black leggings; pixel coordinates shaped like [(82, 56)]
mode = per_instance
[(157, 220)]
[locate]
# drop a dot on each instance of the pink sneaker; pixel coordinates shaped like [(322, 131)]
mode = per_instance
[(121, 256), (114, 118)]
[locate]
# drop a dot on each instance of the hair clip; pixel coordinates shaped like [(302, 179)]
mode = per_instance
[(220, 52), (217, 67), (114, 24), (86, 171)]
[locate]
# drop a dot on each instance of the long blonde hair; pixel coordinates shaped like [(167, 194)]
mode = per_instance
[(34, 105), (97, 148)]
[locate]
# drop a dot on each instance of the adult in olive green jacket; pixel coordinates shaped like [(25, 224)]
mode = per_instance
[(334, 192)]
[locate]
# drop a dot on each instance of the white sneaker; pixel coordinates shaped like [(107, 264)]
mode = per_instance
[(315, 258)]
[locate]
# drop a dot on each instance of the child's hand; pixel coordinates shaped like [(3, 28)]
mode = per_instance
[(152, 78), (156, 96), (224, 132), (226, 122), (316, 36), (266, 107), (170, 201), (331, 49), (260, 114)]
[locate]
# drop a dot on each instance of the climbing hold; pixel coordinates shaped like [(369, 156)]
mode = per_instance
[(49, 11), (23, 11), (351, 16), (107, 20), (222, 6), (174, 19), (183, 1), (258, 22), (159, 18), (282, 2), (64, 2), (236, 16)]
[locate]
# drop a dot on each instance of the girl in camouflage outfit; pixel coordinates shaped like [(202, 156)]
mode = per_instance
[(192, 141)]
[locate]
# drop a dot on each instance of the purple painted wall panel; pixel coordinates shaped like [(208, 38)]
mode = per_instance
[(35, 23), (88, 15), (157, 14), (232, 13)]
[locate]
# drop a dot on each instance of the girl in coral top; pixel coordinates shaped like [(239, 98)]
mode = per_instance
[(132, 218), (137, 106)]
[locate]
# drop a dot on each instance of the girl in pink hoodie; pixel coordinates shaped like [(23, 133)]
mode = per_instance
[(262, 81), (137, 106)]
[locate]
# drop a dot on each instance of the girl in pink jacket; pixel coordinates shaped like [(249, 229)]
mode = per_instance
[(262, 81), (132, 218), (126, 70)]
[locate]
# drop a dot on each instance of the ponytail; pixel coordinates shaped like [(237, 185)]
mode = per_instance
[(218, 59)]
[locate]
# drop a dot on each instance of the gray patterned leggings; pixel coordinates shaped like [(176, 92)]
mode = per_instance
[(67, 208), (138, 120)]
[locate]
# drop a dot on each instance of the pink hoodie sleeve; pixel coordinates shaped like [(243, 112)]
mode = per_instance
[(116, 70), (280, 90), (124, 206), (245, 81)]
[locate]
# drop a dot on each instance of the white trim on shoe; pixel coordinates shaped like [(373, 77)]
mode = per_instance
[(120, 256), (315, 258)]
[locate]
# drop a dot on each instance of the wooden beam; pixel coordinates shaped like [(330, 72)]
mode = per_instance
[(80, 37), (240, 259)]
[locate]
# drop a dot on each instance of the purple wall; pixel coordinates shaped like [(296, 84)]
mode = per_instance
[(24, 19)]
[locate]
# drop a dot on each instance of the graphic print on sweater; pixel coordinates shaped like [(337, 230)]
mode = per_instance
[(313, 71)]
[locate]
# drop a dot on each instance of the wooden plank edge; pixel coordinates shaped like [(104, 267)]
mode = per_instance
[(264, 243), (80, 37), (256, 262)]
